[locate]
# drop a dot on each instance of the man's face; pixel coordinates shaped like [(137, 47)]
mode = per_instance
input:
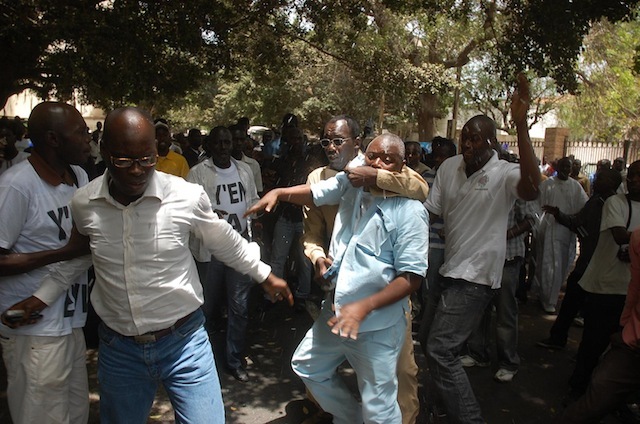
[(220, 147), (164, 140), (339, 156), (412, 155), (238, 137), (633, 179), (604, 183), (131, 137), (74, 138), (381, 156), (440, 154), (603, 164), (474, 144), (618, 165), (564, 168), (576, 166), (195, 139), (292, 141), (247, 148)]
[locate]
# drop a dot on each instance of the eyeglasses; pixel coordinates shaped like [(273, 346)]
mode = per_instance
[(336, 141), (145, 162)]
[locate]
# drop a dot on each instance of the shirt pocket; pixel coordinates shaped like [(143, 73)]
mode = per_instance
[(374, 236)]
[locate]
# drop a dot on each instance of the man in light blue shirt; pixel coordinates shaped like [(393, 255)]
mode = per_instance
[(379, 256)]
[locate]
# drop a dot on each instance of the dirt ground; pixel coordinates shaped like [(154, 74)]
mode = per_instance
[(276, 396)]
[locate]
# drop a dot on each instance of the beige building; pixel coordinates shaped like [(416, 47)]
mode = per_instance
[(22, 104)]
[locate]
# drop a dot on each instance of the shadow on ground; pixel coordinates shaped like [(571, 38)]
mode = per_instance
[(276, 396)]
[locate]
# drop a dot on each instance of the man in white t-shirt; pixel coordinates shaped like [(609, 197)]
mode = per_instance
[(606, 280), (231, 189), (45, 362), (473, 193), (239, 138)]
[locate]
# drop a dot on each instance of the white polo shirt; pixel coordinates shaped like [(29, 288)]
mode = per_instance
[(475, 212)]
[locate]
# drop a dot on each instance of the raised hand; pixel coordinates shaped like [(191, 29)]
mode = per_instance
[(520, 100)]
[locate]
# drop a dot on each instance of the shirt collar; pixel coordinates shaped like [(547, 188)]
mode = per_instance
[(209, 162), (490, 163), (154, 189), (48, 174)]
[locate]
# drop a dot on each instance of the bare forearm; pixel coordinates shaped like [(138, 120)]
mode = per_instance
[(298, 195), (399, 288), (621, 235), (19, 263), (529, 172), (519, 228)]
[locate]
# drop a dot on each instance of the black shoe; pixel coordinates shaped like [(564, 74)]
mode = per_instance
[(239, 374), (550, 344)]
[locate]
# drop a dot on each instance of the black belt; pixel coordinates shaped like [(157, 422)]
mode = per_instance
[(154, 336)]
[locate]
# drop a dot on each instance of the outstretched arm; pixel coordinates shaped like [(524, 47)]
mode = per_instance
[(406, 183), (18, 263), (299, 195), (529, 172)]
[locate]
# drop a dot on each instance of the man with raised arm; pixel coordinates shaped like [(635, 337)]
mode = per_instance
[(473, 193)]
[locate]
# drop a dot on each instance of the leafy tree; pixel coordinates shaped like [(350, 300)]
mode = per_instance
[(318, 88), (547, 35), (410, 49), (483, 91), (402, 49), (607, 108), (117, 51)]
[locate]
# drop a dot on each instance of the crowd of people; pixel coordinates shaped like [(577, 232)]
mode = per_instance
[(160, 232)]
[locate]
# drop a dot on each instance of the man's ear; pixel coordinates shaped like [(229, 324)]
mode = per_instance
[(357, 142), (51, 139)]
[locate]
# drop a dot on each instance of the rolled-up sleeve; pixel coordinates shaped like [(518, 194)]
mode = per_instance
[(330, 191), (412, 241), (61, 276), (226, 244)]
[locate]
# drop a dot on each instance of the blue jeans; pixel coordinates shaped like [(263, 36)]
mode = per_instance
[(454, 309), (238, 287), (506, 322), (373, 356), (182, 362), (286, 233)]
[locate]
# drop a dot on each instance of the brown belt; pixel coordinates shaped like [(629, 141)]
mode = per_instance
[(154, 336)]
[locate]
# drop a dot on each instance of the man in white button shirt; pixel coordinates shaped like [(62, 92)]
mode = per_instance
[(137, 224)]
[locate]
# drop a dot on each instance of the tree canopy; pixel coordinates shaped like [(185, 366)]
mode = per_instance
[(608, 106), (400, 55)]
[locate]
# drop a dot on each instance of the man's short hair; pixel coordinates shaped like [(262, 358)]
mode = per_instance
[(444, 143), (412, 143), (353, 125)]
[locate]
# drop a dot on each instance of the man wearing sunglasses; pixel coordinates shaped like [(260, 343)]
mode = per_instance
[(377, 257), (137, 224), (341, 143)]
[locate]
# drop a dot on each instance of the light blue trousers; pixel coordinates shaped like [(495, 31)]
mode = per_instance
[(373, 356)]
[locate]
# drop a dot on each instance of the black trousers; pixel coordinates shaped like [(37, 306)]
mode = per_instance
[(601, 320)]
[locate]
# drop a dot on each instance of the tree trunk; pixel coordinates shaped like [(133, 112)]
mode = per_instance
[(427, 114)]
